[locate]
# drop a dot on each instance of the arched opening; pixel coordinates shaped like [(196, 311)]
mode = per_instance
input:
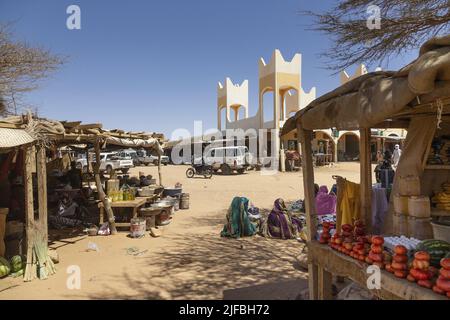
[(290, 103), (348, 147), (323, 144), (241, 113), (237, 113), (267, 106)]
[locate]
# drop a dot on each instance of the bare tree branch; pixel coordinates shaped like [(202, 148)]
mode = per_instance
[(21, 67), (404, 25)]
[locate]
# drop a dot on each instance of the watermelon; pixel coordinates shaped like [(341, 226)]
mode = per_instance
[(17, 263), (437, 249), (5, 267)]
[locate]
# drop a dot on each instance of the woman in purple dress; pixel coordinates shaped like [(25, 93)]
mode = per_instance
[(280, 223)]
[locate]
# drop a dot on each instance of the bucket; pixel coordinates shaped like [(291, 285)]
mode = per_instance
[(400, 222), (137, 227), (420, 228), (441, 231), (419, 207), (163, 218), (400, 204), (184, 201)]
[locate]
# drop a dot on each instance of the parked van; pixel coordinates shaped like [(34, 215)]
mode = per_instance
[(228, 159)]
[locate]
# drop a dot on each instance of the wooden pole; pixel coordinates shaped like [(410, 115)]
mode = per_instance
[(305, 138), (29, 213), (101, 192), (42, 191), (366, 177)]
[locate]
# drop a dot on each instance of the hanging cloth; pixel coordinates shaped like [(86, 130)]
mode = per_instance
[(350, 203)]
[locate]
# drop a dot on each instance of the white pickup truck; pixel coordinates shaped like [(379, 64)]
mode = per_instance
[(109, 161)]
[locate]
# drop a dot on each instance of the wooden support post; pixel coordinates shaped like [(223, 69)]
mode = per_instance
[(88, 164), (29, 212), (101, 192), (305, 138), (366, 178), (325, 284), (41, 167), (159, 170)]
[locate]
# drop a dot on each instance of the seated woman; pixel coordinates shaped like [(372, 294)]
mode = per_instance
[(325, 202), (280, 223), (238, 222)]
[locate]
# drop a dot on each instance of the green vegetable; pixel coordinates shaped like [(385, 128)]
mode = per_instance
[(17, 263), (4, 270), (437, 250), (18, 273)]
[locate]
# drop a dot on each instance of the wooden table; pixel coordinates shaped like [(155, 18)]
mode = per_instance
[(330, 262), (134, 204)]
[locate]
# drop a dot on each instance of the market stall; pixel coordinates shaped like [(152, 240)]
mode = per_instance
[(416, 98), (23, 159)]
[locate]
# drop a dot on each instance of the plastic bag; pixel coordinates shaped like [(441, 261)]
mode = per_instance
[(104, 230)]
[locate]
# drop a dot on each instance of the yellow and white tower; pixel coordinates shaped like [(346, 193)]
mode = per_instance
[(232, 97)]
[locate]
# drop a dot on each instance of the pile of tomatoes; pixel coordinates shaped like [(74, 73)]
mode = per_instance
[(353, 242), (442, 285)]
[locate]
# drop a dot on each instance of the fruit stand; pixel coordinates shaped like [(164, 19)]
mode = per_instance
[(416, 98)]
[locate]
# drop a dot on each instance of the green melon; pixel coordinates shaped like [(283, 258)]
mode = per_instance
[(17, 263), (437, 249)]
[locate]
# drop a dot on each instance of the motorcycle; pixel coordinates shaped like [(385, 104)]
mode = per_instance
[(201, 170)]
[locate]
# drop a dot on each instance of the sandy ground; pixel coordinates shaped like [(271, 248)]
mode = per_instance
[(190, 260)]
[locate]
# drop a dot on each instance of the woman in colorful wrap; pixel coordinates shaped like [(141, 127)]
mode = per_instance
[(238, 222), (280, 223)]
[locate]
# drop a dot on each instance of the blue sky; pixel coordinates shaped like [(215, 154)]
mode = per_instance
[(154, 65)]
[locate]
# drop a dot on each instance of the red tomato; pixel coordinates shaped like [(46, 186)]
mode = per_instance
[(425, 284), (376, 248), (377, 240), (410, 278), (422, 255), (399, 266), (445, 273), (361, 257), (347, 227), (400, 258), (443, 284), (438, 290), (400, 250), (445, 263), (421, 264), (389, 268), (401, 274), (361, 252), (376, 257), (419, 274)]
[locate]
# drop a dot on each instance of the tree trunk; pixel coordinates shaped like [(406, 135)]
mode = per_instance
[(101, 192)]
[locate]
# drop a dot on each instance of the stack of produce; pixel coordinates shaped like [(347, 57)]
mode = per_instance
[(347, 235), (5, 267), (399, 265), (441, 200), (437, 249), (336, 241), (360, 229), (420, 270), (325, 236), (359, 251), (442, 285), (15, 267), (376, 256)]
